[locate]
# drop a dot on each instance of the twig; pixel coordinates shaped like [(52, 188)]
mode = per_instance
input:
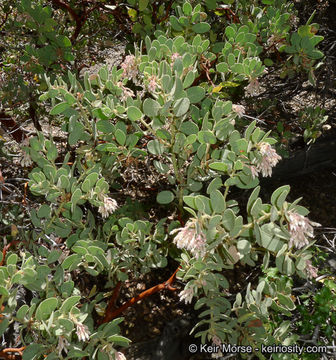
[(165, 285), (4, 352), (13, 128)]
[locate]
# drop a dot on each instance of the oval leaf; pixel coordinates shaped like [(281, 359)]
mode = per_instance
[(165, 197), (59, 108)]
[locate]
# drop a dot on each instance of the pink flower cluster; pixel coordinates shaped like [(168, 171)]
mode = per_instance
[(130, 68), (109, 206), (311, 270), (238, 109), (269, 159), (82, 332), (300, 228), (152, 83), (186, 295), (253, 87), (188, 238)]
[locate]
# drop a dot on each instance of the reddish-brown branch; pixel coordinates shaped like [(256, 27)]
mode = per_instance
[(67, 8), (205, 65), (9, 124), (112, 303), (5, 249), (165, 17), (4, 354), (79, 17), (165, 285)]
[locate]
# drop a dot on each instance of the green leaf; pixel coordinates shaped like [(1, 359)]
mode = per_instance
[(76, 353), (206, 137), (118, 340), (77, 194), (189, 79), (3, 325), (181, 106), (45, 308), (163, 134), (195, 94), (217, 201), (21, 313), (244, 247), (187, 8), (229, 219), (44, 211), (215, 184), (266, 237), (175, 23), (218, 166), (189, 127), (105, 126), (279, 195), (52, 152), (151, 107), (190, 139), (71, 260), (32, 352), (89, 182), (201, 27), (222, 67), (286, 301), (3, 291), (59, 108), (134, 113), (268, 62), (120, 137), (66, 324), (69, 303), (12, 259), (53, 256), (230, 32), (165, 197), (160, 167), (155, 147)]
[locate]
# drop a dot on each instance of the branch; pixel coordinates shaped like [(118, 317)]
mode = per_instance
[(4, 353), (165, 285), (12, 127)]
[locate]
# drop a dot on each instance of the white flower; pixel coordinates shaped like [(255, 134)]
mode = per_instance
[(186, 295), (126, 92), (254, 171), (152, 83), (239, 109), (82, 332), (300, 228), (217, 342), (62, 345), (129, 67), (268, 160), (109, 206), (311, 270), (188, 238), (25, 159), (253, 87), (119, 356)]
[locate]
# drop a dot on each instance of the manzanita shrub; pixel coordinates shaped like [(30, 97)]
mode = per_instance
[(161, 107)]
